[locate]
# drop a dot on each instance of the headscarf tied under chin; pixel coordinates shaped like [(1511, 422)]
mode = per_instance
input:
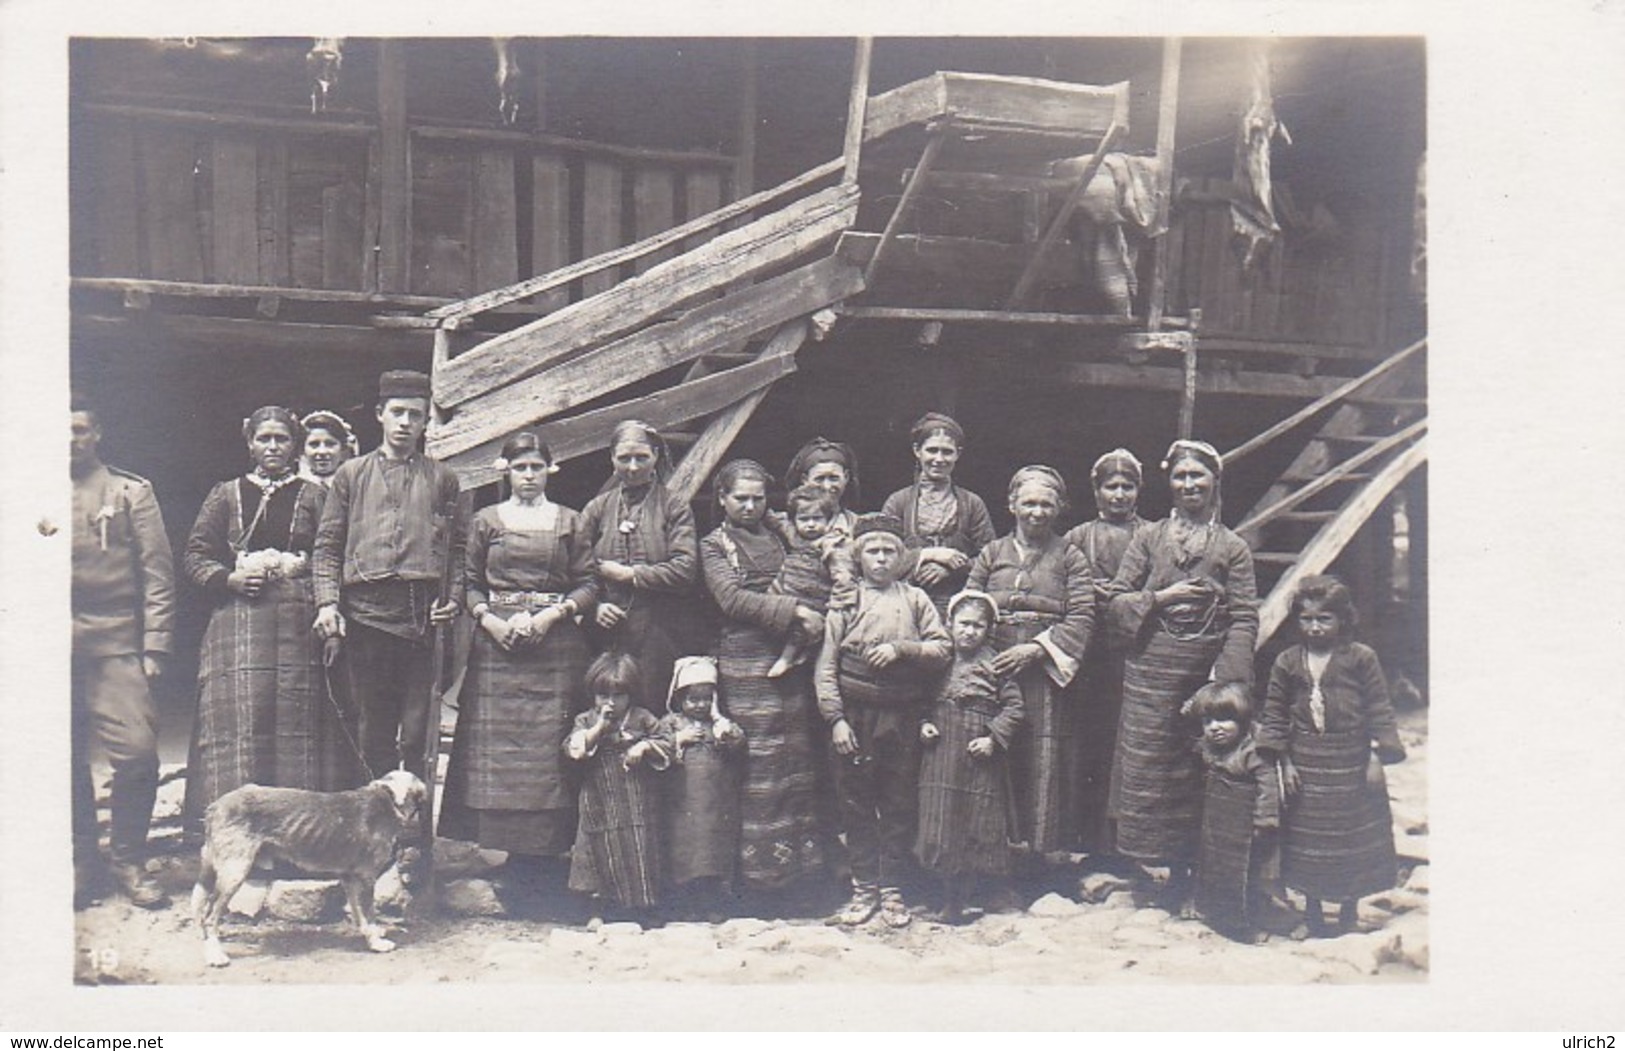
[(1042, 475), (1190, 449), (822, 450), (691, 671)]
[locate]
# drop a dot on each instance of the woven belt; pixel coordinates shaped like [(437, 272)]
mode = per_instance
[(1026, 616), (526, 599)]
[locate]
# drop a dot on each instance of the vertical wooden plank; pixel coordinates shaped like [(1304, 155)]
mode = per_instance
[(442, 209), (495, 226), (1215, 224), (371, 215), (600, 220), (1174, 297), (550, 223), (857, 106), (306, 184), (542, 58), (702, 193), (341, 235), (745, 161), (169, 210), (118, 215), (1167, 119), (272, 212), (654, 208), (236, 211), (395, 163)]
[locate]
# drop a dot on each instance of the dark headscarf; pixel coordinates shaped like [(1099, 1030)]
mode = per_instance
[(822, 450)]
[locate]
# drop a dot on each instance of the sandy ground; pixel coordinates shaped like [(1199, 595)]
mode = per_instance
[(1077, 927)]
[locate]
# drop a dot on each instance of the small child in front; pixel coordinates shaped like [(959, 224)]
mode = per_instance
[(700, 827), (818, 563), (1326, 706), (964, 783), (873, 677), (1241, 811), (617, 849)]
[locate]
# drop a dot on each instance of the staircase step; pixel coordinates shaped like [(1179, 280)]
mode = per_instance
[(1387, 402), (1353, 476), (1306, 516), (1353, 439), (1275, 558)]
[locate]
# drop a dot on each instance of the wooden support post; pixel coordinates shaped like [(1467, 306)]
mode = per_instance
[(1057, 224), (915, 181), (1187, 399), (745, 161), (441, 355), (541, 55), (1167, 118), (395, 170), (857, 106)]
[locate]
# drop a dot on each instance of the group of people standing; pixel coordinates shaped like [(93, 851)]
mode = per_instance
[(800, 696)]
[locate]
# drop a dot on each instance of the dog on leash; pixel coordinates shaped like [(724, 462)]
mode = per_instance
[(350, 836)]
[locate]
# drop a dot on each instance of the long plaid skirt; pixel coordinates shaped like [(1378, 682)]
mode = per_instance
[(1157, 780), (964, 813), (1046, 761), (1225, 863), (617, 848), (1337, 833), (780, 838), (508, 784), (263, 712)]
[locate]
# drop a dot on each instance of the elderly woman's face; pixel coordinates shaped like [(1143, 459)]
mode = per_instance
[(1117, 496), (1193, 486), (745, 501), (937, 456), (634, 462), (1035, 506), (325, 451), (830, 477), (271, 446)]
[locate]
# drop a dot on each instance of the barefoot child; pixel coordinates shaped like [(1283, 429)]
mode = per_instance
[(1326, 705), (964, 786), (617, 849), (873, 678), (700, 825), (1241, 810), (819, 561)]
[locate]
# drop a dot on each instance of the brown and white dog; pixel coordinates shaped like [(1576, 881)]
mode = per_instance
[(347, 835)]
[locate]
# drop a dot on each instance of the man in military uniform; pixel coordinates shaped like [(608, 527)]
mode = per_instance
[(123, 624)]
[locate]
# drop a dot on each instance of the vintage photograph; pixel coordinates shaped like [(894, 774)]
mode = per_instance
[(749, 509)]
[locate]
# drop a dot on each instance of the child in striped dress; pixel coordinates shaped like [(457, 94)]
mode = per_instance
[(1241, 808), (1328, 718), (964, 813), (817, 565), (617, 849)]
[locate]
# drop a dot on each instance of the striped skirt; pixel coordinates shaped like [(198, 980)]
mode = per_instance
[(617, 848), (1337, 833), (263, 712), (964, 813), (1046, 759), (1157, 779), (780, 837), (1224, 864), (508, 786)]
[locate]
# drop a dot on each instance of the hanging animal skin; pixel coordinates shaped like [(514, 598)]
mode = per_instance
[(323, 61), (509, 74)]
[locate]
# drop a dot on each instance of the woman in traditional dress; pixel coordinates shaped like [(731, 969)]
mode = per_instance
[(781, 839), (1185, 603), (945, 526), (329, 441), (1116, 479), (648, 560), (529, 576), (263, 711), (832, 467), (1046, 604)]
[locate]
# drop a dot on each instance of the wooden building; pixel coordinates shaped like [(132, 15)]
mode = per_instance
[(1070, 244)]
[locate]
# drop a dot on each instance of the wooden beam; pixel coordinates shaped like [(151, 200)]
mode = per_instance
[(709, 327), (1167, 121), (592, 431), (220, 121), (196, 289), (1324, 548), (1297, 349), (395, 170), (929, 158), (230, 335), (857, 105), (559, 278), (771, 241), (1058, 223), (998, 317), (1262, 439), (606, 152), (654, 209), (706, 454), (1165, 378), (749, 115), (1259, 519)]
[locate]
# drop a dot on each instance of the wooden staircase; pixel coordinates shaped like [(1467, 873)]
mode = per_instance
[(721, 320), (1372, 435)]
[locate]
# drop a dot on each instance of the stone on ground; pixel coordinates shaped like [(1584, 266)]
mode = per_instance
[(1054, 905), (471, 897), (250, 898), (304, 900), (1098, 886)]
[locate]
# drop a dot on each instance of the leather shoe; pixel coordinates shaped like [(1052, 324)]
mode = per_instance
[(136, 884)]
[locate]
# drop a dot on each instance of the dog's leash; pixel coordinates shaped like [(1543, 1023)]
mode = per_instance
[(330, 652)]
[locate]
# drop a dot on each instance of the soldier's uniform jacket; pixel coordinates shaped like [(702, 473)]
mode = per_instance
[(123, 571)]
